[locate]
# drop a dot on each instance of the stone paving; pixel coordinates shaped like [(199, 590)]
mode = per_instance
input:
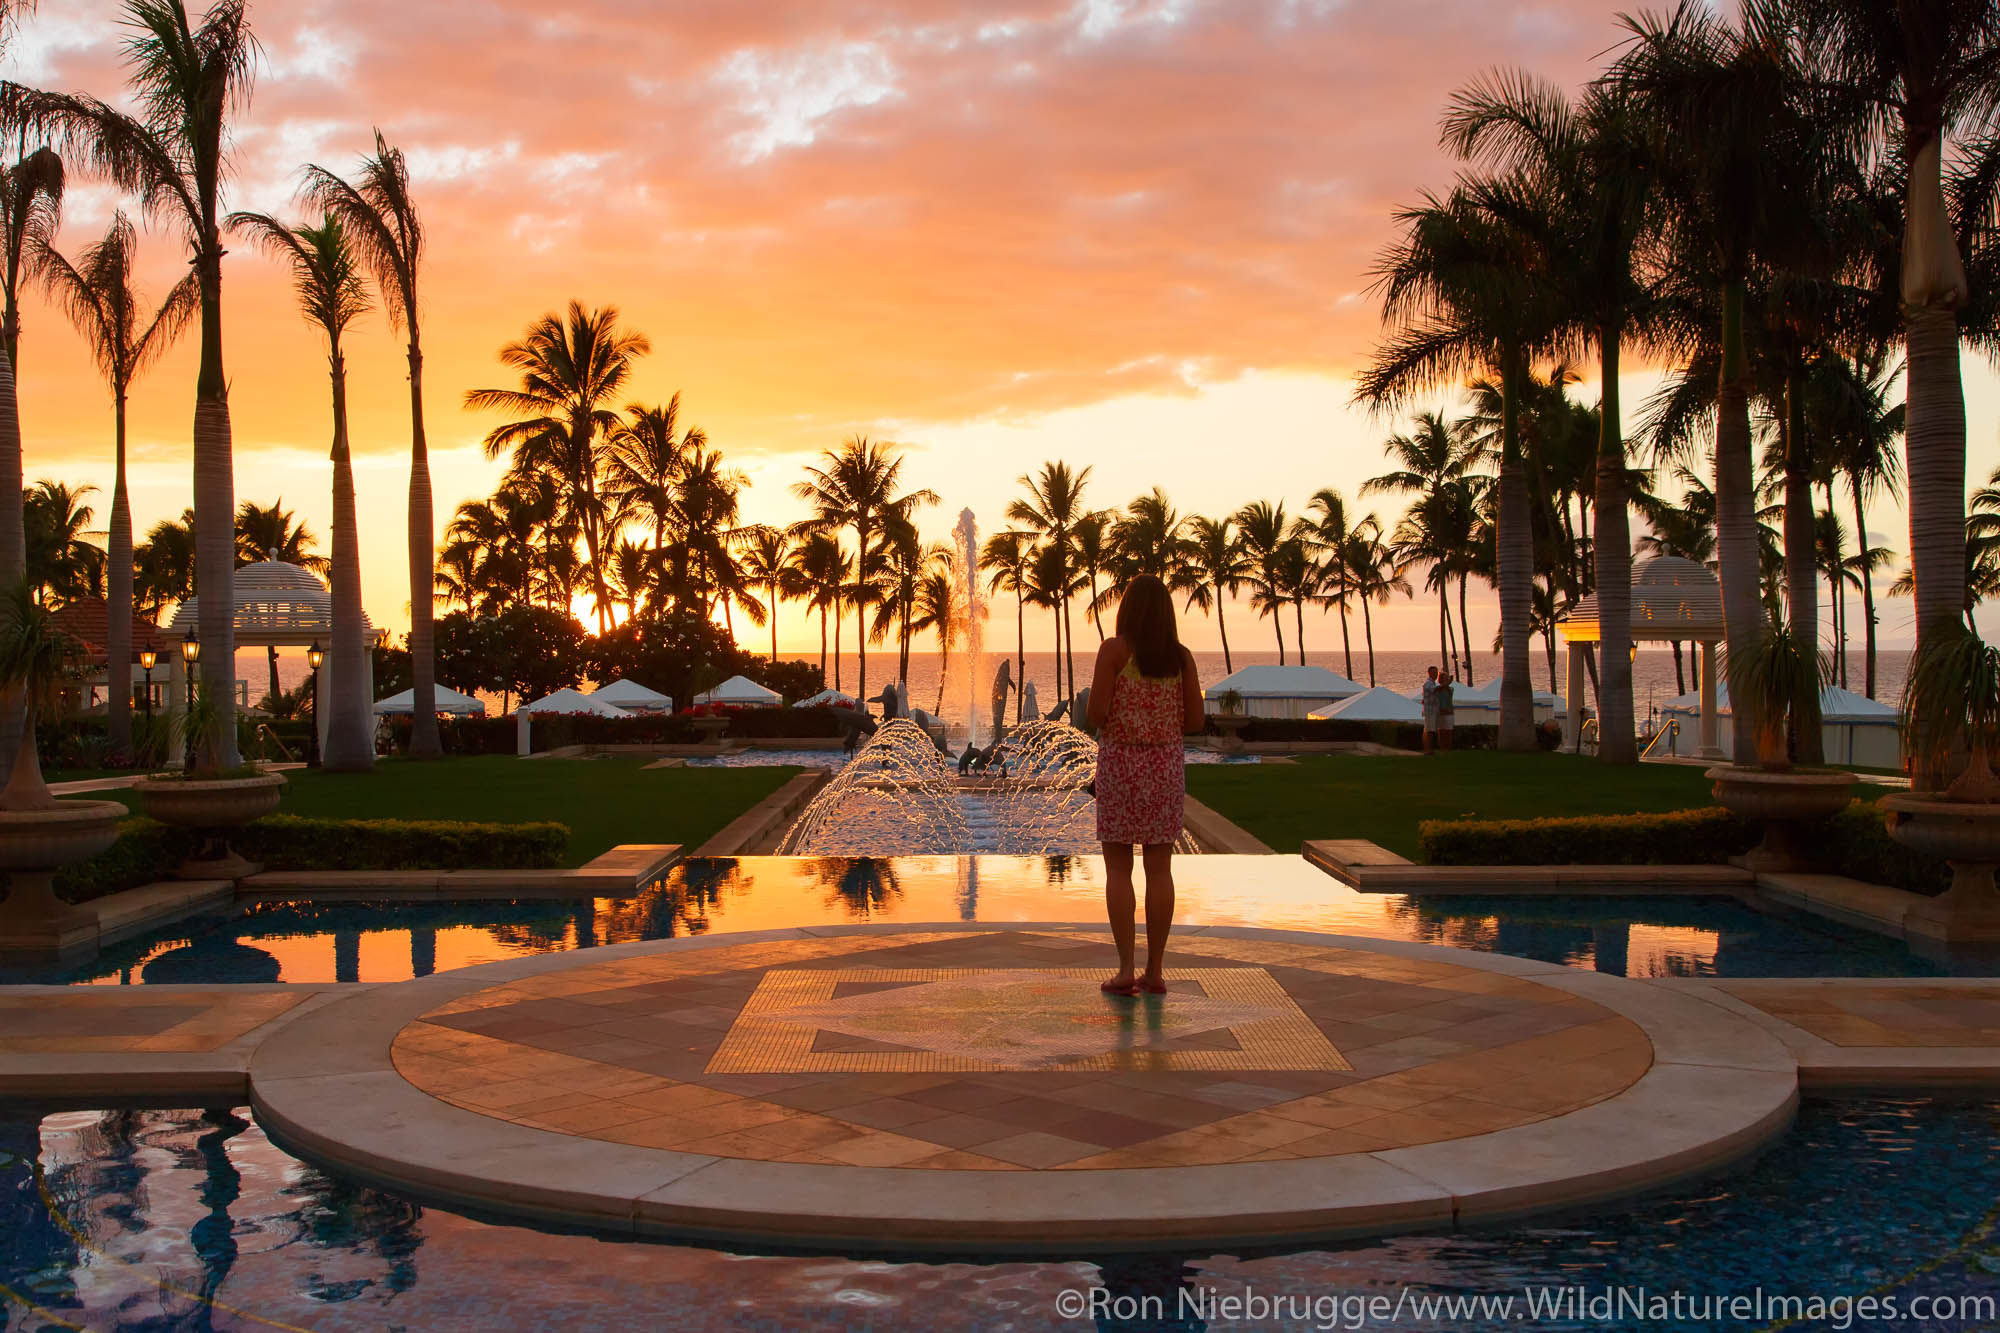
[(968, 1052)]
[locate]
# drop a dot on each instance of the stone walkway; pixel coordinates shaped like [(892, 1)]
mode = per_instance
[(967, 1086)]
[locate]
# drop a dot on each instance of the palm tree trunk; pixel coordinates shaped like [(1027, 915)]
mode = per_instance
[(1801, 567), (822, 643), (1020, 655), (861, 609), (1515, 549), (349, 745), (425, 742), (118, 589), (1299, 618), (1368, 628), (214, 521), (1616, 733), (1228, 667), (1837, 577), (1465, 627), (1278, 628), (1069, 637), (773, 613), (1735, 515), (836, 642), (1867, 585), (1933, 288), (1346, 646), (1680, 673), (1444, 620)]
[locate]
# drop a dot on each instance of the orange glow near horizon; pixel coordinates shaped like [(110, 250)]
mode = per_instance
[(1134, 234)]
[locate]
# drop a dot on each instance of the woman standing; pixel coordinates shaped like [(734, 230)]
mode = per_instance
[(1144, 697)]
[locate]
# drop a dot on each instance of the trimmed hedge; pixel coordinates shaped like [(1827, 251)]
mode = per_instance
[(1679, 837), (148, 851), (496, 735), (1397, 735), (1854, 843)]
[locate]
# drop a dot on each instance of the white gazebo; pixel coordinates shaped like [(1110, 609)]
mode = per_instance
[(1483, 703), (1673, 601), (633, 697), (740, 692), (278, 605), (564, 702), (1282, 691), (445, 700), (1378, 703), (1854, 729)]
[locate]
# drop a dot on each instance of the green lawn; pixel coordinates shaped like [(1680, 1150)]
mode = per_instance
[(603, 801), (1384, 799)]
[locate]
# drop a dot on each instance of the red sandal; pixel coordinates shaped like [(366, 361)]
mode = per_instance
[(1116, 987)]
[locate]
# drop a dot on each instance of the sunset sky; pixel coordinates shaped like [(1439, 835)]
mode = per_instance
[(1135, 236)]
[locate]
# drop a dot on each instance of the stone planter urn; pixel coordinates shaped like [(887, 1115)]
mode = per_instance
[(1780, 802), (212, 806), (1967, 834), (710, 726), (34, 844), (1229, 729)]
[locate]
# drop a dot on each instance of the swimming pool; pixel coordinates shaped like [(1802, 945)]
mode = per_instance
[(193, 1220), (323, 941)]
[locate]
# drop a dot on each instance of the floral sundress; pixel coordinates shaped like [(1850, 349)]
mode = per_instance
[(1141, 777)]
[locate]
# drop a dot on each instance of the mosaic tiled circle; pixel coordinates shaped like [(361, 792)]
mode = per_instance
[(995, 1050)]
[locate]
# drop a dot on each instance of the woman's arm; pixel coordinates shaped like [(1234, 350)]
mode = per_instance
[(1194, 709), (1111, 656)]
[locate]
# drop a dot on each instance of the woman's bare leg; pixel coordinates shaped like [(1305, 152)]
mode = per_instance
[(1120, 903), (1159, 903)]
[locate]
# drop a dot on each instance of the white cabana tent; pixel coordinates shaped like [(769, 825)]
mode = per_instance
[(828, 699), (633, 697), (740, 692), (573, 702), (446, 701), (1282, 691), (1480, 705), (1376, 704), (1854, 729), (563, 702)]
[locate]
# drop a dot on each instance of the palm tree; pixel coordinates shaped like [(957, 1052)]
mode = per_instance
[(572, 367), (1090, 539), (1467, 290), (327, 279), (1051, 510), (823, 569), (188, 79), (97, 295), (1214, 568), (1006, 557), (939, 608), (63, 564), (1721, 102), (1864, 447), (379, 216), (1375, 574), (1150, 537), (31, 193), (645, 463), (1299, 579), (1328, 532), (1920, 75), (629, 572), (1586, 202), (164, 565), (767, 565), (855, 487), (1434, 461), (1264, 533)]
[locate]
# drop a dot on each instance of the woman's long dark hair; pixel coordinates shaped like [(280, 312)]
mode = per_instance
[(1146, 622)]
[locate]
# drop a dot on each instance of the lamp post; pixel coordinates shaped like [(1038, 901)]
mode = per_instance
[(190, 655), (315, 656), (148, 658)]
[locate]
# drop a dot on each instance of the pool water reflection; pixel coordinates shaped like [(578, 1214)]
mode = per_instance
[(323, 941), (193, 1220)]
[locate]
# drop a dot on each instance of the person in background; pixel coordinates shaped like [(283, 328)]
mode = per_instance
[(1444, 710), (1430, 709), (1144, 699)]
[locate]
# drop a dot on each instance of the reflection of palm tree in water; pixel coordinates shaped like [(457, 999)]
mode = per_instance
[(214, 1236), (33, 1241), (866, 884)]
